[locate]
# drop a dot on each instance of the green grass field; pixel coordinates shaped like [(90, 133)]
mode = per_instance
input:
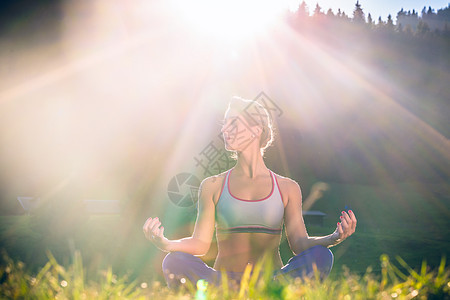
[(55, 281), (408, 220)]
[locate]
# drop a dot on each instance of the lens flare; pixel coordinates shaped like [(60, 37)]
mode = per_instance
[(231, 20)]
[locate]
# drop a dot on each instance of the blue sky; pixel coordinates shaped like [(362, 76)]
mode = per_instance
[(377, 7)]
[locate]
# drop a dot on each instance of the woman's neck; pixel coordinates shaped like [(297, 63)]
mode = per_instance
[(250, 164)]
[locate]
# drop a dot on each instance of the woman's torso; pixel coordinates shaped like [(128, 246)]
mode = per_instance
[(249, 216)]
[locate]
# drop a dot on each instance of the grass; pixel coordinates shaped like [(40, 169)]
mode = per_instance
[(54, 281), (410, 220)]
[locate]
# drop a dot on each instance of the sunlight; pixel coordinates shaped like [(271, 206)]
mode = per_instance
[(231, 20), (314, 110)]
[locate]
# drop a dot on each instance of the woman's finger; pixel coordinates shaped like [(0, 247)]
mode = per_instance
[(344, 223), (351, 221), (353, 218), (152, 223), (346, 217), (155, 227), (146, 224), (150, 226), (156, 232), (341, 232)]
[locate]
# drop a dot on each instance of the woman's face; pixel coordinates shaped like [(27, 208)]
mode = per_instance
[(237, 133)]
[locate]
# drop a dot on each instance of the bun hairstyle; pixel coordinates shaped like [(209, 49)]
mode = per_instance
[(254, 114)]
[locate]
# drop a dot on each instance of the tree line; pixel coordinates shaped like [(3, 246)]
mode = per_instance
[(428, 22)]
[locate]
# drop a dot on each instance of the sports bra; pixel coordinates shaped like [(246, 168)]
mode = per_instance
[(239, 215)]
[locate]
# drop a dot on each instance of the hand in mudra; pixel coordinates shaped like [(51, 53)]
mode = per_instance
[(346, 227), (155, 233)]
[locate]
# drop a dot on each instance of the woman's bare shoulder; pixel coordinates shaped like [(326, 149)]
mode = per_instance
[(214, 183), (288, 188), (215, 179), (286, 183)]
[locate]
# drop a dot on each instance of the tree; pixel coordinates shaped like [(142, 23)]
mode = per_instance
[(380, 21), (303, 11), (444, 14), (318, 10), (358, 14), (369, 20), (330, 13), (408, 29), (400, 15), (390, 23), (380, 24), (424, 11), (422, 28), (344, 16)]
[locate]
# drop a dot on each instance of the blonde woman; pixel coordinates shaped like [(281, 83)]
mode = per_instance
[(247, 206)]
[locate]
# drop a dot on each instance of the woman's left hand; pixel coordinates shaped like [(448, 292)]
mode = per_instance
[(346, 227)]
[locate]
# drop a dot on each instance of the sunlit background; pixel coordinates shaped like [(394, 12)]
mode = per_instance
[(111, 99)]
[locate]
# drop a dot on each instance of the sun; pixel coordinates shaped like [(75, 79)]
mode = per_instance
[(230, 20)]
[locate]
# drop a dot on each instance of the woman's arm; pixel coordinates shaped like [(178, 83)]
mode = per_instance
[(298, 237), (200, 241)]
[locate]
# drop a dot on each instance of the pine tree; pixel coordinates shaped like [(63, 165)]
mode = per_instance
[(330, 13), (422, 28), (369, 20), (318, 10), (380, 24), (344, 16), (390, 23), (303, 11), (444, 14), (358, 14), (424, 11), (401, 14)]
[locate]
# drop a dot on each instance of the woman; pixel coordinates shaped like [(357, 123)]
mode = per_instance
[(247, 205)]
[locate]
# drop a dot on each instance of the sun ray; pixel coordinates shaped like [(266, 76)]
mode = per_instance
[(75, 66)]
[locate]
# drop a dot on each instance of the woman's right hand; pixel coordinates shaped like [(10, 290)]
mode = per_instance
[(155, 234)]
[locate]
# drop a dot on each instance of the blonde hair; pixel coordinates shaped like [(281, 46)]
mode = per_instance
[(255, 114)]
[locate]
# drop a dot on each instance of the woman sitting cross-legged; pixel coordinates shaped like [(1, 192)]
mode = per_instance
[(247, 206)]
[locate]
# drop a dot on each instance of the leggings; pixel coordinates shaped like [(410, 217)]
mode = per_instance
[(179, 267)]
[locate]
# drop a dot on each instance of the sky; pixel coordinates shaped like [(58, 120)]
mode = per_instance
[(377, 8)]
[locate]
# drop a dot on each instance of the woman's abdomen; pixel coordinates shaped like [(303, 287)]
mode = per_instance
[(236, 250)]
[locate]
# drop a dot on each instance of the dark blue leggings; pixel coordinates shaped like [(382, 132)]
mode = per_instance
[(179, 267)]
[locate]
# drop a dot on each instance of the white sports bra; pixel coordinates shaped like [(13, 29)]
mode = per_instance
[(239, 215)]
